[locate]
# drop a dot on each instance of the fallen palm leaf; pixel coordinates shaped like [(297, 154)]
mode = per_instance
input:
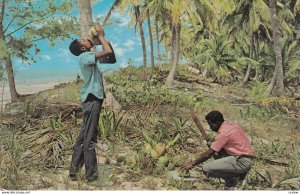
[(287, 182)]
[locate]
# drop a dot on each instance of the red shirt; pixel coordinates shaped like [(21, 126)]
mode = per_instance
[(233, 140)]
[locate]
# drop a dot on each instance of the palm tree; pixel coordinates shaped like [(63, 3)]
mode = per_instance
[(34, 20), (277, 79), (139, 20), (150, 38), (8, 62), (114, 6), (290, 58), (85, 12), (85, 16), (219, 56), (252, 17), (2, 79), (157, 40), (159, 14), (134, 8), (196, 11)]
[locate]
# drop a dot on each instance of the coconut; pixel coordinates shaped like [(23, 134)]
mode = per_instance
[(93, 36), (178, 159), (147, 148), (160, 148), (163, 161), (154, 154)]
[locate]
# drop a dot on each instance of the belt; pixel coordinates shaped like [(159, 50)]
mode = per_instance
[(250, 157), (91, 98)]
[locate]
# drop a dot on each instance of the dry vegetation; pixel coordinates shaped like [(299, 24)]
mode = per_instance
[(143, 147)]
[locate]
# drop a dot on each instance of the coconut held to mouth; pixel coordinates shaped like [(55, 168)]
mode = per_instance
[(93, 36)]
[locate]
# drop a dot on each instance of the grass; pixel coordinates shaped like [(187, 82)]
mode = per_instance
[(155, 114)]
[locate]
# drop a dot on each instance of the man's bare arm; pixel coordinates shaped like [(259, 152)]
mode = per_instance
[(202, 158), (106, 48), (111, 58)]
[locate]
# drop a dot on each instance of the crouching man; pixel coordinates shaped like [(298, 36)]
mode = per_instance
[(233, 149)]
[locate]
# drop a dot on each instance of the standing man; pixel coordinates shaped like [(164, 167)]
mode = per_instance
[(235, 153), (91, 96)]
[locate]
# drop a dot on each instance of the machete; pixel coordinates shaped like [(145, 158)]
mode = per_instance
[(198, 124)]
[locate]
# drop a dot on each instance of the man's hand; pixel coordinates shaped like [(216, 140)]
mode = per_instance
[(187, 166), (209, 143), (99, 31)]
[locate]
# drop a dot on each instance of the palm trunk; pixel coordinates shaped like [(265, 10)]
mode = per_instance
[(86, 22), (173, 42), (10, 73), (11, 80), (151, 40), (85, 14), (140, 23), (2, 97), (157, 41), (248, 72), (247, 75), (278, 73), (175, 54), (7, 59), (272, 84), (257, 69)]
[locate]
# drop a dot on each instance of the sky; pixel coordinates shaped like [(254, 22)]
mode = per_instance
[(56, 62)]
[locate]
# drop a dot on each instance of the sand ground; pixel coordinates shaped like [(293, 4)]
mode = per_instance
[(29, 87)]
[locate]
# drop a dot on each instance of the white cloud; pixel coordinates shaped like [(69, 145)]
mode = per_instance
[(129, 44), (63, 52), (47, 57), (138, 59), (124, 21), (118, 50)]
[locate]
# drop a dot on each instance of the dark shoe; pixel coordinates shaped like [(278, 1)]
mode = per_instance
[(243, 176), (92, 179), (231, 182), (73, 177)]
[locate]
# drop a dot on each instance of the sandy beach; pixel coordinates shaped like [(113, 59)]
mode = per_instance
[(31, 86)]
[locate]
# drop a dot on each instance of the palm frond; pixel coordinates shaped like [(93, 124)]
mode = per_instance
[(115, 5)]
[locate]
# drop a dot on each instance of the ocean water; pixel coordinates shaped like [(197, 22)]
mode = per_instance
[(29, 81), (44, 76), (33, 81)]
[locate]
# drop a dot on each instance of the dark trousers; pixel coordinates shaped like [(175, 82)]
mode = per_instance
[(84, 151)]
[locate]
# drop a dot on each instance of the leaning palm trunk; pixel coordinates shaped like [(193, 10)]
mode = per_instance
[(86, 22), (249, 68), (272, 84), (175, 54), (247, 75), (278, 73)]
